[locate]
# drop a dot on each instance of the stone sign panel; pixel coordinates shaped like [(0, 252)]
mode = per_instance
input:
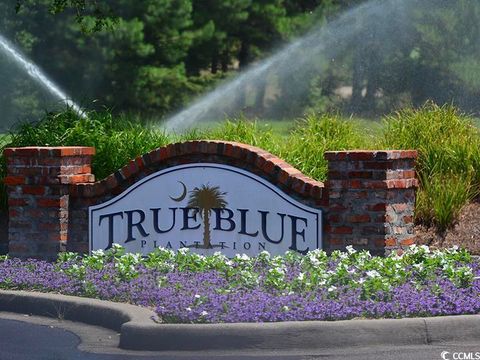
[(206, 207)]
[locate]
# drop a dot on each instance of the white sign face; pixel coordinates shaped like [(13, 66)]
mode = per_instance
[(208, 208)]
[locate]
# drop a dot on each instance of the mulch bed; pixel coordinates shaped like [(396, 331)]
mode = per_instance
[(465, 233)]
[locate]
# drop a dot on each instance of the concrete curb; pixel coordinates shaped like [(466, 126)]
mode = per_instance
[(139, 331)]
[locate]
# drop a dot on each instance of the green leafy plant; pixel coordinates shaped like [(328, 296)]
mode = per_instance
[(448, 165), (316, 134), (448, 144)]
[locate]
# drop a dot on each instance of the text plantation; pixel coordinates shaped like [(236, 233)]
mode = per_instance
[(160, 221)]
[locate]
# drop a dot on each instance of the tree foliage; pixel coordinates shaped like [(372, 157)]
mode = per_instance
[(154, 56), (91, 15)]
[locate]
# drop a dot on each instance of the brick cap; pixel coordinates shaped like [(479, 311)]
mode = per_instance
[(273, 167), (370, 155), (49, 151)]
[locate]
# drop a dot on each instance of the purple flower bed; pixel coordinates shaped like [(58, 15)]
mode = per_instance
[(187, 288)]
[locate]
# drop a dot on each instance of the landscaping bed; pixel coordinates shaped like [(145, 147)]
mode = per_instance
[(187, 288), (184, 287), (464, 233)]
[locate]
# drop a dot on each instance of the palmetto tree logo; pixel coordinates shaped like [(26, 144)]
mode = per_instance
[(203, 200)]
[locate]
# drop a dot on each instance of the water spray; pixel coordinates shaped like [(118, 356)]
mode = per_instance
[(322, 43), (39, 76)]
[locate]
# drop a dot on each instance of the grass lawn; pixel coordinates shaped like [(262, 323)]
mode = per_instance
[(283, 128)]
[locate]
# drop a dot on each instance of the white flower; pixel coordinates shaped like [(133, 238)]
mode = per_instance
[(361, 281), (419, 267), (447, 267), (203, 313), (373, 273), (350, 249), (197, 296), (285, 308), (313, 259), (183, 251), (243, 257), (465, 270), (188, 309), (301, 276), (332, 288), (425, 248)]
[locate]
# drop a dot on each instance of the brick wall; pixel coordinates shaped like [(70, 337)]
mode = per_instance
[(367, 202), (38, 197), (371, 199)]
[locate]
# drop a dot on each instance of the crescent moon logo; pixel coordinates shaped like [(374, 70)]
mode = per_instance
[(181, 197)]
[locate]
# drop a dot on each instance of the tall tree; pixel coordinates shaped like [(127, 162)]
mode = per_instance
[(222, 18)]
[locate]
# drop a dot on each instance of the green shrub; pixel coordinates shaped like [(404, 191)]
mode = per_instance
[(448, 143), (449, 158), (447, 140), (247, 132), (442, 197), (319, 133), (117, 140)]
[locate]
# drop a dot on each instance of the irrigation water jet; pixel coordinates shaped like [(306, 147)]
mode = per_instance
[(38, 75), (304, 55)]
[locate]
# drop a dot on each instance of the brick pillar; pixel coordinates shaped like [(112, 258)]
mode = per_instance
[(38, 180), (371, 200)]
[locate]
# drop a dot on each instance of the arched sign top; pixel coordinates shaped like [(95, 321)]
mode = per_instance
[(208, 207), (240, 155)]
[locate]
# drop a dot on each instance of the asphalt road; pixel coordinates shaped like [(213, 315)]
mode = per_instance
[(31, 338)]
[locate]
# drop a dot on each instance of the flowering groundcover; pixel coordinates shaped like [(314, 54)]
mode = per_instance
[(184, 287)]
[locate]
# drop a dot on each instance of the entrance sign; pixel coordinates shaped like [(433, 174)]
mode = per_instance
[(55, 204), (206, 207)]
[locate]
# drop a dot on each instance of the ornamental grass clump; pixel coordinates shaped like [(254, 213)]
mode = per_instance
[(184, 287), (448, 165), (448, 142), (316, 134)]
